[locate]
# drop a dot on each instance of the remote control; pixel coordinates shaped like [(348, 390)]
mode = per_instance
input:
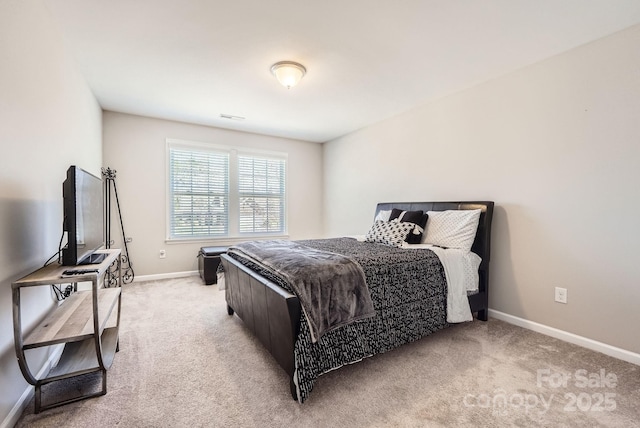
[(75, 272)]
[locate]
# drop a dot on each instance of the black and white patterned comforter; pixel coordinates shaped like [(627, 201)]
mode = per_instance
[(409, 293)]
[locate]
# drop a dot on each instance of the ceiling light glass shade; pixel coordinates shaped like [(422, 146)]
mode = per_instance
[(288, 73)]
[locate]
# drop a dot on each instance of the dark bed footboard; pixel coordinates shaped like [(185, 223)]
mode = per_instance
[(269, 311)]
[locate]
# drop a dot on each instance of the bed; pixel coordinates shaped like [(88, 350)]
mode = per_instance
[(407, 284)]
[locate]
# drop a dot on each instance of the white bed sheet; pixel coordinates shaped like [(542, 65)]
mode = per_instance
[(461, 272)]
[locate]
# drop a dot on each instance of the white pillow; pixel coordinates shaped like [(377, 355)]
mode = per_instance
[(391, 232), (383, 215), (452, 229)]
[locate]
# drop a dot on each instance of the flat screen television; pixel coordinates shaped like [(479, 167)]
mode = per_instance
[(82, 193)]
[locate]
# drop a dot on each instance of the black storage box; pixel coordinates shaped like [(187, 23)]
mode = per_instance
[(208, 261)]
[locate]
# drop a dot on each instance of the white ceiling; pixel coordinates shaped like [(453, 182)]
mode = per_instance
[(366, 60)]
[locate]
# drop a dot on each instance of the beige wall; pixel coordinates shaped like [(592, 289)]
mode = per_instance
[(135, 147), (48, 120), (557, 146)]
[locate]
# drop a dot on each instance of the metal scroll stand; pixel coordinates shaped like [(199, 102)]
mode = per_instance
[(111, 275)]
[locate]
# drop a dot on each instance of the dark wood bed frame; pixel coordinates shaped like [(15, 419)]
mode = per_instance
[(273, 314)]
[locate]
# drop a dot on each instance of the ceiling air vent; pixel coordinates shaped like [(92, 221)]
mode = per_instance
[(231, 117)]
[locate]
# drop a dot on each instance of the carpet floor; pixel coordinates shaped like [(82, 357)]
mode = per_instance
[(184, 362)]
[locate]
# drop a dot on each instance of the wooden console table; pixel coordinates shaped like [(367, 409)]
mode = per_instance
[(86, 322)]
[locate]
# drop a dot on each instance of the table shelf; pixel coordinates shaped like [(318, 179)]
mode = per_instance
[(80, 357), (73, 319)]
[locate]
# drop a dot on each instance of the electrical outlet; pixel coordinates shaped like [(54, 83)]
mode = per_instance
[(561, 295), (163, 254)]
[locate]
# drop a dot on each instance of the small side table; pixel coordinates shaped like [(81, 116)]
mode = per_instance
[(208, 261)]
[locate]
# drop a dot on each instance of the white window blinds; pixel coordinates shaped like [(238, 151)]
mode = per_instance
[(198, 193), (261, 191), (215, 191)]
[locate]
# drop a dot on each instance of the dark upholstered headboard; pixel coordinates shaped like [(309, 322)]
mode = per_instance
[(481, 245)]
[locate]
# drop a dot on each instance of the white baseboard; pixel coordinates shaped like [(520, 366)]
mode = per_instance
[(612, 351), (21, 404), (171, 275)]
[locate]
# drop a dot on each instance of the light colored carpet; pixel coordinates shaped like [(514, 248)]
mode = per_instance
[(184, 362)]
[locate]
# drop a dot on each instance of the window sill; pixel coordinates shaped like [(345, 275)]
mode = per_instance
[(225, 240)]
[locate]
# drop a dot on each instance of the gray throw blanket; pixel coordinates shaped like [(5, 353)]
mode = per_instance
[(331, 287)]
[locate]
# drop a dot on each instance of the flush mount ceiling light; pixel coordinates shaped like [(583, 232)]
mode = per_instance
[(288, 73)]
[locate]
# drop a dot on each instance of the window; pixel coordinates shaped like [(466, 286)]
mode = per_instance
[(199, 193), (261, 192), (223, 192)]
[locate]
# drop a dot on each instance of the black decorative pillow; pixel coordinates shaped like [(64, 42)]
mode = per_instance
[(389, 232), (419, 218)]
